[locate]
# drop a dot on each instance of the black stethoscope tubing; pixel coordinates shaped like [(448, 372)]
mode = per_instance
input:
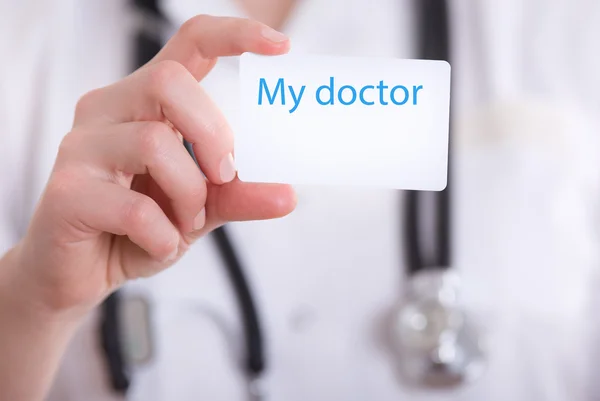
[(434, 44), (433, 23)]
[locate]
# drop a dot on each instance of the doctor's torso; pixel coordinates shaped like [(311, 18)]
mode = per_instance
[(327, 276)]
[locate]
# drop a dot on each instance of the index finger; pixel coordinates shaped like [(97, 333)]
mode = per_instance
[(203, 38)]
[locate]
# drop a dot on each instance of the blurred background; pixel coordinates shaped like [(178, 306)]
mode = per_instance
[(488, 290)]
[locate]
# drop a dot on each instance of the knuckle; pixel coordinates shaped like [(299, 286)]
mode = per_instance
[(87, 103), (61, 186), (71, 143), (216, 126), (139, 212), (163, 74), (70, 148), (67, 145), (194, 24), (152, 138), (167, 245), (197, 190)]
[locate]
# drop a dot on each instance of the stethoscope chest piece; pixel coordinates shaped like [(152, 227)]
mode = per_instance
[(436, 344)]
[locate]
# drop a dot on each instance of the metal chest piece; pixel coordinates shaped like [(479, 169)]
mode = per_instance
[(436, 343)]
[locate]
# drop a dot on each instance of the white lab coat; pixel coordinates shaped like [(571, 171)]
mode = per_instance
[(526, 96)]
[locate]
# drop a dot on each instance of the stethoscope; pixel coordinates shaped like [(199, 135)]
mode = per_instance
[(434, 342)]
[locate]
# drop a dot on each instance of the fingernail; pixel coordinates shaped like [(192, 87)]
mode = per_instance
[(273, 35), (173, 255), (200, 220), (228, 169)]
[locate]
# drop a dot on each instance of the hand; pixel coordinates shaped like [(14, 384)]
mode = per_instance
[(125, 200)]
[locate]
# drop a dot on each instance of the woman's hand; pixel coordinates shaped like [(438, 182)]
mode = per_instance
[(125, 200)]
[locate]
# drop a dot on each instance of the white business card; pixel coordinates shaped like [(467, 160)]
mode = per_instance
[(308, 119)]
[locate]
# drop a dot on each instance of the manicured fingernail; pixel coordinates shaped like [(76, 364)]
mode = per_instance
[(200, 220), (273, 35), (228, 169)]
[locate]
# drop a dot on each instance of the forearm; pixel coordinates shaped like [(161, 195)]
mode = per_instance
[(32, 338)]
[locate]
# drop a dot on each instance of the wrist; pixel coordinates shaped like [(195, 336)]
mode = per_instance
[(33, 338), (22, 296)]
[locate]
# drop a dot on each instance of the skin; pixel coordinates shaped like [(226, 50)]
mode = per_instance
[(125, 200)]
